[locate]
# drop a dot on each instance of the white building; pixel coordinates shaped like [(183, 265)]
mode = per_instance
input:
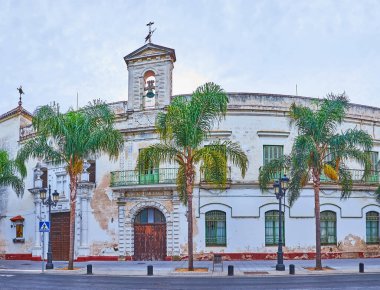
[(124, 214)]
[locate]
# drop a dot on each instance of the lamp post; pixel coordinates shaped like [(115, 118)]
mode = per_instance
[(280, 186), (49, 202)]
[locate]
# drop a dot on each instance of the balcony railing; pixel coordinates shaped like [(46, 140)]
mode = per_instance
[(136, 177), (357, 177), (356, 174)]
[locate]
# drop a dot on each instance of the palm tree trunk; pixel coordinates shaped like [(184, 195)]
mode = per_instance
[(73, 193), (317, 212), (190, 230)]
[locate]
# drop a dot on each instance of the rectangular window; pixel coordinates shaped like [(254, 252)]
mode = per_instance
[(272, 228), (216, 228), (44, 177), (372, 227), (374, 160), (271, 152), (149, 175), (374, 176), (328, 228), (92, 171), (62, 185)]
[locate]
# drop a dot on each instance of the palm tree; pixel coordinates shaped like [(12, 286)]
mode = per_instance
[(12, 173), (320, 149), (70, 139), (183, 129)]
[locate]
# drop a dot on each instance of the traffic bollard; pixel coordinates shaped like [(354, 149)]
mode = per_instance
[(361, 267), (230, 270), (150, 270), (292, 269), (89, 269)]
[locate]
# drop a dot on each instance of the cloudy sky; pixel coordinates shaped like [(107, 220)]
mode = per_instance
[(58, 48)]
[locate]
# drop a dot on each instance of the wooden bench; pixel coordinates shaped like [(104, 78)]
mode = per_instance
[(217, 260)]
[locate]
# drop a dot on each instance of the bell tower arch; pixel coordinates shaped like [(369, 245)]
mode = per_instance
[(150, 71)]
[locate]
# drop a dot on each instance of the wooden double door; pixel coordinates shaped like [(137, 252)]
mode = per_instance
[(60, 235), (150, 242), (150, 235)]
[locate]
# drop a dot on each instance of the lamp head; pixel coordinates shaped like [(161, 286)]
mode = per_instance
[(43, 193), (285, 182), (276, 187), (55, 196)]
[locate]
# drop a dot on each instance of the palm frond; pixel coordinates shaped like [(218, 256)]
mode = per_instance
[(158, 153), (231, 151), (346, 182), (38, 147), (10, 172), (181, 184), (273, 169)]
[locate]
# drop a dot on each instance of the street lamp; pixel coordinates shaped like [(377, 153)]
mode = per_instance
[(280, 186), (50, 202)]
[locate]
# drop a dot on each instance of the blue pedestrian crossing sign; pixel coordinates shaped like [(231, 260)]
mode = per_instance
[(45, 226)]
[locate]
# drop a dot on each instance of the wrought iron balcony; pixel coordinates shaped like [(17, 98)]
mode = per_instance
[(356, 174), (357, 177), (136, 177)]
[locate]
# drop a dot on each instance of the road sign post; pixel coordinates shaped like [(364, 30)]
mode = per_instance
[(44, 228)]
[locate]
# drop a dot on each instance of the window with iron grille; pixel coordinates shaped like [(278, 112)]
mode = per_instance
[(372, 227), (272, 228), (328, 227), (374, 160), (216, 228), (374, 175), (271, 152)]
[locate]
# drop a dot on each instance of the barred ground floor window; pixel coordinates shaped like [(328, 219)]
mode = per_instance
[(216, 228), (372, 227), (272, 228), (328, 227)]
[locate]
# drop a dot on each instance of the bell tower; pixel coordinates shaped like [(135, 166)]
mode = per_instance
[(150, 71)]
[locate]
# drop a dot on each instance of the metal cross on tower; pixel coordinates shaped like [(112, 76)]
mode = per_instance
[(21, 92), (149, 36)]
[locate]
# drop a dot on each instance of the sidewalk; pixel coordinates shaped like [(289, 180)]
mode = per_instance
[(163, 268)]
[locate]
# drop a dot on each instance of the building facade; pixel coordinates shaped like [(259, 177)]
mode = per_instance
[(125, 214)]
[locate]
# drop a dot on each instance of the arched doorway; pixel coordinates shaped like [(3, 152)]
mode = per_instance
[(150, 235)]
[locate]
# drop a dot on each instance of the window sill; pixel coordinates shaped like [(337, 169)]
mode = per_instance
[(215, 246), (19, 240)]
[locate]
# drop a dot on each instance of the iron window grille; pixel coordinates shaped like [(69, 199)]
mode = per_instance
[(272, 228), (328, 228), (372, 227), (216, 228)]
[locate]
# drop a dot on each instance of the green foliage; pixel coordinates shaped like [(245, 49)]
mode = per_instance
[(318, 141), (183, 129), (73, 136), (12, 173)]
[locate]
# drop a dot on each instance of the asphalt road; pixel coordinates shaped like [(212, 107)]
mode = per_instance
[(51, 281)]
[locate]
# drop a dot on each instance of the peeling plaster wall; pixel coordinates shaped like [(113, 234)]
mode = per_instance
[(103, 216)]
